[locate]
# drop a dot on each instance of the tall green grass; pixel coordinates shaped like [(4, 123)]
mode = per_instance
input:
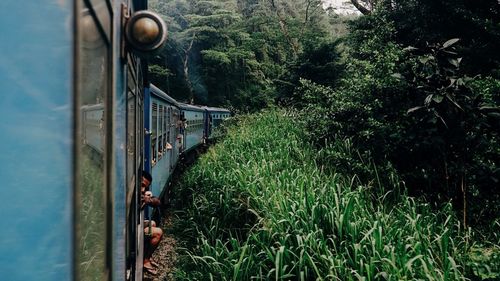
[(257, 207)]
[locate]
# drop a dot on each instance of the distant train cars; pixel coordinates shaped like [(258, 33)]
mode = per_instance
[(194, 119), (80, 122), (173, 129), (162, 142), (215, 117)]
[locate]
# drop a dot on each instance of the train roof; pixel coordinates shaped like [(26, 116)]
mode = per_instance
[(216, 109), (186, 106), (162, 95)]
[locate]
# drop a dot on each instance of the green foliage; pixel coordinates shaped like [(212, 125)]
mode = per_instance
[(229, 53), (256, 207), (476, 23), (397, 103), (320, 64), (485, 262), (461, 121)]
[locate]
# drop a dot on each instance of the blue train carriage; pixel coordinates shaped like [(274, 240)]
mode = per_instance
[(72, 138), (163, 144), (193, 133), (214, 118)]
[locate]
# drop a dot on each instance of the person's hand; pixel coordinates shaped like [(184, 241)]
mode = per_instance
[(147, 197)]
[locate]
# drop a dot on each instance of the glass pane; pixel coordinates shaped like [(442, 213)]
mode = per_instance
[(131, 146), (91, 189)]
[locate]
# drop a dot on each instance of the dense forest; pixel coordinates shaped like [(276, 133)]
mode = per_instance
[(412, 86)]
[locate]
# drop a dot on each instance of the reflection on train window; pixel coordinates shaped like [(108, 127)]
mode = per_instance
[(91, 191)]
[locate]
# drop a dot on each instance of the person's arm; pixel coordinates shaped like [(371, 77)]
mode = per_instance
[(151, 200), (154, 202)]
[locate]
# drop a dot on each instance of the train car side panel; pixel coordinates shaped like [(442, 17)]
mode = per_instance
[(162, 145), (36, 140), (194, 126)]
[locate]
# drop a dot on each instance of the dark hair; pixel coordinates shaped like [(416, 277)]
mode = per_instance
[(147, 176)]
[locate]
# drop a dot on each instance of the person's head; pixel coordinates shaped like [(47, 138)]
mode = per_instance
[(146, 181)]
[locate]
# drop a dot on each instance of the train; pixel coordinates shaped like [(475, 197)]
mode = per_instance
[(80, 121)]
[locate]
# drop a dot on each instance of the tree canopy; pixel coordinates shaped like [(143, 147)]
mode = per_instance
[(410, 79), (230, 53)]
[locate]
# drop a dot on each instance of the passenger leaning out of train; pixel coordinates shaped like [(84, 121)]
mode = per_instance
[(152, 233)]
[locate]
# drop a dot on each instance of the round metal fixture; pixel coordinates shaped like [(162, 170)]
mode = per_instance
[(146, 33)]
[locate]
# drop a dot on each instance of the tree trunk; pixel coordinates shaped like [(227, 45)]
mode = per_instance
[(360, 7), (185, 63), (284, 29), (464, 201)]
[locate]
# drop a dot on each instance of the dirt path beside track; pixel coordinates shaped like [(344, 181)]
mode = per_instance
[(165, 255)]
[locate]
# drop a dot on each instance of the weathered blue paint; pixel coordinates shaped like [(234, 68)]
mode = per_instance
[(193, 136), (36, 140), (161, 174)]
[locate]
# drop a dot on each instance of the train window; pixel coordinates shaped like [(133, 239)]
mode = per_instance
[(160, 132), (92, 64), (165, 128), (169, 126), (154, 133)]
